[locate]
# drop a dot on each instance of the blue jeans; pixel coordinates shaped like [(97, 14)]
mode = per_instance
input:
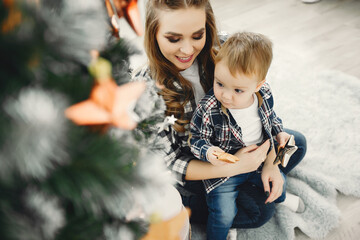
[(222, 203), (252, 211)]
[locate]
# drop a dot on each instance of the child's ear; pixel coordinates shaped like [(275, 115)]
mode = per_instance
[(260, 84)]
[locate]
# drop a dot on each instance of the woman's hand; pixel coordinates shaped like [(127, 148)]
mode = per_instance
[(250, 158), (271, 173), (282, 138)]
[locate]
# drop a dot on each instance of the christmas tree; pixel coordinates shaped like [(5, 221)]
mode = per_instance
[(63, 177)]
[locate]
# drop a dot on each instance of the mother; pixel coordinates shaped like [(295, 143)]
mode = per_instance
[(180, 42)]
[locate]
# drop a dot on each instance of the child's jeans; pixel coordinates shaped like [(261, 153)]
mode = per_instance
[(222, 203)]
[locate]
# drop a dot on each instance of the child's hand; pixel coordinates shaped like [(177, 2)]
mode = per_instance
[(212, 158), (282, 138)]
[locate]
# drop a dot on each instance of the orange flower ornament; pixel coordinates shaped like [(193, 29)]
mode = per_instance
[(109, 103)]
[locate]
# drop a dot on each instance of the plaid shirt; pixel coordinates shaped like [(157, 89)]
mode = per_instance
[(177, 152), (213, 125)]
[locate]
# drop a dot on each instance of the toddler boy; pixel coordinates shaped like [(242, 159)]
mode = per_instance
[(236, 113)]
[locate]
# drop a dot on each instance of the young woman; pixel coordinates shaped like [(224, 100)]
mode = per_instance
[(180, 42)]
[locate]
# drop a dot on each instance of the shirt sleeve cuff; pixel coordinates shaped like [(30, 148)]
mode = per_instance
[(277, 129), (203, 152)]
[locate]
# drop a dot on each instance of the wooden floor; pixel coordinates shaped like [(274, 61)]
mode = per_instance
[(325, 34)]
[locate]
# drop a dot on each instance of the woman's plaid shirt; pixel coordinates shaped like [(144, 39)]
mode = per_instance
[(213, 125), (177, 152)]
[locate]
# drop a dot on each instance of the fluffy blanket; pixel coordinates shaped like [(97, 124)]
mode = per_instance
[(325, 106)]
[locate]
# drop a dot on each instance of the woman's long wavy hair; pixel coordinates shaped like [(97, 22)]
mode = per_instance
[(165, 72)]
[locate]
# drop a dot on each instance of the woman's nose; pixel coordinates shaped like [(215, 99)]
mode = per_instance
[(187, 48)]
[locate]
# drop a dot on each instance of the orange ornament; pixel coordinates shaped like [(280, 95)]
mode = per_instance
[(168, 230), (125, 8), (108, 104), (13, 19), (132, 16)]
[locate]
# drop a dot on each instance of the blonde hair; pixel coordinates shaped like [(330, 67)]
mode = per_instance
[(248, 53), (165, 72)]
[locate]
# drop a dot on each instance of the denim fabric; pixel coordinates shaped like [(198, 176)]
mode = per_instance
[(223, 206)]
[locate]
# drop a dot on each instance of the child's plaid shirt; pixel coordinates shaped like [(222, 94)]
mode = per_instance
[(213, 125)]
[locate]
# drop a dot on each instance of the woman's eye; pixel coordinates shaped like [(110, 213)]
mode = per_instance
[(173, 40), (238, 90), (198, 37)]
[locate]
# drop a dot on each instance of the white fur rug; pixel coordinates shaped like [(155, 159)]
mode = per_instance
[(325, 106)]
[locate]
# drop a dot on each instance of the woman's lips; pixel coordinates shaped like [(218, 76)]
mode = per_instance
[(185, 59)]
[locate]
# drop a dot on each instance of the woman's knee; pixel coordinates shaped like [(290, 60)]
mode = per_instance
[(266, 213), (302, 147)]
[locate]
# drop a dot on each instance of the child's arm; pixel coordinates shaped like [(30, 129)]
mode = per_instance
[(276, 122), (250, 159), (201, 131), (277, 125)]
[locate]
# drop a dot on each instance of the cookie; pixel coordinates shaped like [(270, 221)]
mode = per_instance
[(226, 157)]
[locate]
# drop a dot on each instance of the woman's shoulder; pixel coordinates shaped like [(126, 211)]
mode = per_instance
[(142, 73), (208, 102), (150, 103)]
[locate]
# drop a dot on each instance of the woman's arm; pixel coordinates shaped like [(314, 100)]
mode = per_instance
[(250, 159), (184, 166)]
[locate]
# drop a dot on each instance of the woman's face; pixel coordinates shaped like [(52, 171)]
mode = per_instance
[(181, 35)]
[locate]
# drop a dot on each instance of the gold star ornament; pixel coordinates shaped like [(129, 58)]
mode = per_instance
[(286, 152)]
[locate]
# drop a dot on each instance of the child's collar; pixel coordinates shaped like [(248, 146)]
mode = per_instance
[(260, 99)]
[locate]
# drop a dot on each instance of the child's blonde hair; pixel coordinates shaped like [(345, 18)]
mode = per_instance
[(248, 53)]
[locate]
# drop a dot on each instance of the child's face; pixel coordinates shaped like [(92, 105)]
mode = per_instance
[(181, 35), (234, 92)]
